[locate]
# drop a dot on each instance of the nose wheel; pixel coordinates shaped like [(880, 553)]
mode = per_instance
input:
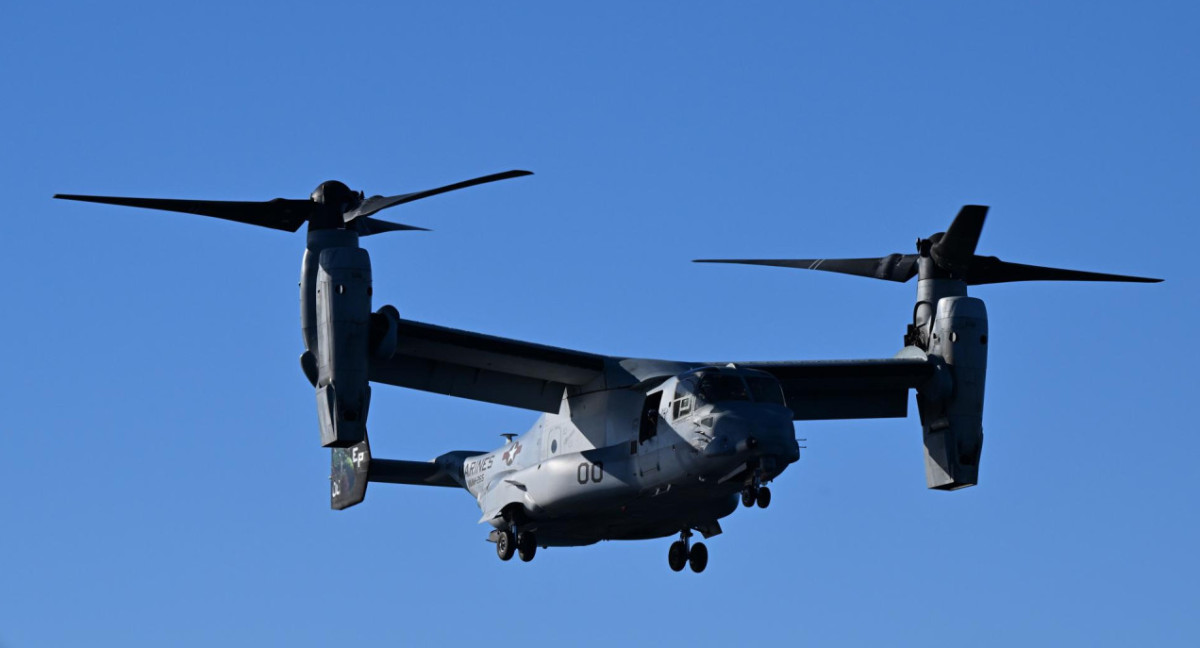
[(698, 557), (677, 556), (760, 495), (682, 554)]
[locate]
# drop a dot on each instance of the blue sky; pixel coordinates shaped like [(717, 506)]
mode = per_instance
[(166, 486)]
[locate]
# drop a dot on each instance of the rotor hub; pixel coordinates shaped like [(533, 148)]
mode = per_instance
[(335, 198), (332, 193)]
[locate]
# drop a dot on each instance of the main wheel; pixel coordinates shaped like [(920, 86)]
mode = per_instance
[(748, 497), (677, 556), (526, 546), (698, 557), (505, 545), (764, 497)]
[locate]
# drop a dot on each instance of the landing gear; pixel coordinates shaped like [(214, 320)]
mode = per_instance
[(698, 557), (526, 546), (505, 544), (683, 553), (677, 556), (761, 495), (512, 539), (764, 497), (756, 492)]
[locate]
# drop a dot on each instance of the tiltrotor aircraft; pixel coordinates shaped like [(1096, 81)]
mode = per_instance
[(625, 448)]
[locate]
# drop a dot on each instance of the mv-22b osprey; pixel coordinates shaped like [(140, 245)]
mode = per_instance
[(626, 448)]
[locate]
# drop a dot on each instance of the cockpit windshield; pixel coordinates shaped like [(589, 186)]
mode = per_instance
[(713, 386), (765, 389), (716, 387)]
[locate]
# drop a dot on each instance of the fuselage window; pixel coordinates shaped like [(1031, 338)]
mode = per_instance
[(554, 446), (682, 407)]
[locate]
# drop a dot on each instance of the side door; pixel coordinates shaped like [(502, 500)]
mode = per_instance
[(646, 447)]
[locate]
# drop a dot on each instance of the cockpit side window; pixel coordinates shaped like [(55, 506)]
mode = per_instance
[(765, 390), (685, 387), (682, 405)]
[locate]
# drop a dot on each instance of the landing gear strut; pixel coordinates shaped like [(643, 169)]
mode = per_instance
[(682, 553)]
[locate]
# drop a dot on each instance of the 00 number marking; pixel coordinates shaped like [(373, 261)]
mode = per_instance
[(590, 472)]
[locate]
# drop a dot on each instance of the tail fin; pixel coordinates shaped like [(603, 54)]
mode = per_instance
[(349, 475), (353, 468)]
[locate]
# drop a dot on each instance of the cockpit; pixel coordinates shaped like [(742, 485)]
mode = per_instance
[(723, 384)]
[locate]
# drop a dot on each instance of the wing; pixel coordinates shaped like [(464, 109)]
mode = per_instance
[(534, 376), (848, 389), (487, 368)]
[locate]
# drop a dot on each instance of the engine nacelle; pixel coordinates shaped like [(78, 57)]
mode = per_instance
[(385, 332), (952, 410), (343, 314)]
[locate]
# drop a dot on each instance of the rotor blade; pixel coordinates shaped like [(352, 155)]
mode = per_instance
[(281, 213), (894, 267), (956, 248), (990, 270), (376, 204), (369, 226)]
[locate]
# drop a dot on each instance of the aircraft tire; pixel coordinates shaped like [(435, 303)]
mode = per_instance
[(677, 556), (764, 497), (748, 497), (505, 545), (526, 546), (698, 557)]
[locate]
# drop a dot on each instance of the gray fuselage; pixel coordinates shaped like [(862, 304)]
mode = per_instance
[(632, 464)]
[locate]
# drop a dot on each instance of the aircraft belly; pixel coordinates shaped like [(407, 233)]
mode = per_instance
[(641, 519)]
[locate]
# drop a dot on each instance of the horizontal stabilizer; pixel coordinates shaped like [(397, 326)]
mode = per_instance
[(353, 468), (418, 473)]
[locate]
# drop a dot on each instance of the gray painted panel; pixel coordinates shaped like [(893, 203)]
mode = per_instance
[(469, 382)]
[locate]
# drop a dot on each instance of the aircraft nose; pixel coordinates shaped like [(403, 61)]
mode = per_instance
[(740, 432), (731, 433)]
